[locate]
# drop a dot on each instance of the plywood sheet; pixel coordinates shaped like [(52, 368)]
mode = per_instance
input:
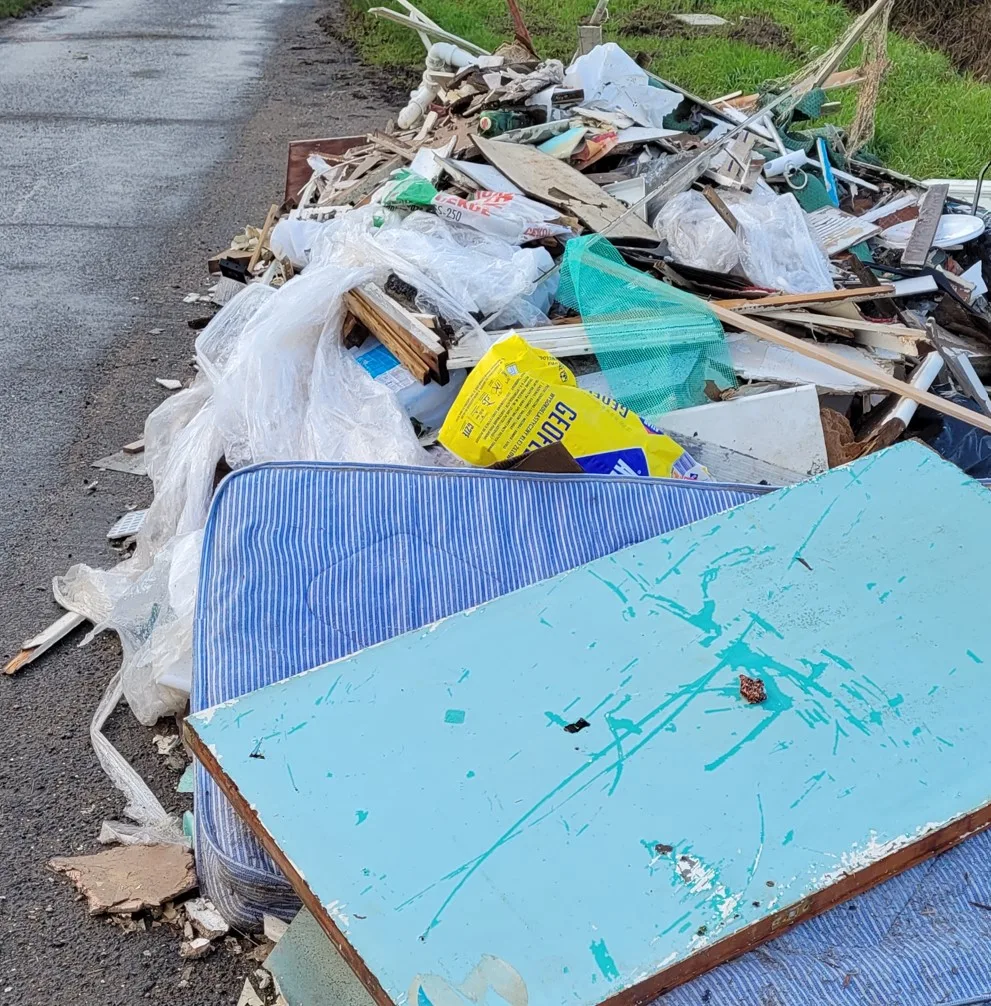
[(559, 185), (562, 796)]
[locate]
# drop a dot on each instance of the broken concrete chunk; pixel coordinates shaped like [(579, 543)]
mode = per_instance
[(169, 383), (274, 928), (130, 878), (248, 996), (205, 918), (198, 947)]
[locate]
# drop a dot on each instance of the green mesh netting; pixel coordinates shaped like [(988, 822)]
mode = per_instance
[(657, 346)]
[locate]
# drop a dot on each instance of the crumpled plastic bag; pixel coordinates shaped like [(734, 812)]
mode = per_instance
[(612, 81), (773, 246), (777, 249), (696, 234)]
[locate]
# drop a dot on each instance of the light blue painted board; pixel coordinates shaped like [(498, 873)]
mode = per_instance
[(428, 794)]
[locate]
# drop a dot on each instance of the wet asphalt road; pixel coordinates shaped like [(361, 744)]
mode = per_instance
[(136, 136)]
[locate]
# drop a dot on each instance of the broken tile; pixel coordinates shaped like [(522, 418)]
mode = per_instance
[(205, 918)]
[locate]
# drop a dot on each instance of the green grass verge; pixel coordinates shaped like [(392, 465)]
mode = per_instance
[(931, 121), (9, 8)]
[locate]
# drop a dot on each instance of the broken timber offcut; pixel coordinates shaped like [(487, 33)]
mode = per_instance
[(448, 832)]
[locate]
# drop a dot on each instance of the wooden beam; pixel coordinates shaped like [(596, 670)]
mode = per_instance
[(816, 351), (788, 300), (924, 232), (416, 347)]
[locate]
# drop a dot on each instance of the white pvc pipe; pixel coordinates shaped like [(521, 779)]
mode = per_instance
[(440, 56)]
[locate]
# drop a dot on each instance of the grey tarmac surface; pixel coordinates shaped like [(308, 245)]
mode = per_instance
[(136, 136)]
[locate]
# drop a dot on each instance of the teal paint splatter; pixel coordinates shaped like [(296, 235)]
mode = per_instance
[(677, 922), (846, 665), (973, 656), (871, 585), (298, 726), (360, 816), (469, 774), (464, 675), (543, 621), (555, 720), (604, 960), (896, 700), (455, 716), (815, 527), (612, 586), (788, 837), (367, 889)]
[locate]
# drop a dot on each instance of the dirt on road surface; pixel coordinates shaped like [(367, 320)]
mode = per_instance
[(135, 138)]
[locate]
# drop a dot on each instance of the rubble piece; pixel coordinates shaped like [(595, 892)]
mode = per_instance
[(248, 996), (270, 218), (129, 878), (779, 427), (273, 927), (34, 647), (914, 287), (169, 383), (726, 465), (857, 369), (134, 447), (960, 367), (129, 524), (790, 300), (813, 855), (165, 744), (975, 276), (367, 184), (924, 232), (752, 690), (206, 920), (882, 210), (559, 185), (187, 781), (589, 36), (310, 971), (479, 175), (902, 410), (837, 231), (197, 947), (416, 347), (700, 20), (129, 464)]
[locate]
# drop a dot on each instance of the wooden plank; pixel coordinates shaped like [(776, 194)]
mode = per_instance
[(725, 213), (559, 185), (416, 347), (917, 250), (802, 299), (298, 171), (270, 218), (685, 825), (815, 351)]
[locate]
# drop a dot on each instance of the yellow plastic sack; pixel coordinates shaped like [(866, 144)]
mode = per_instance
[(519, 398)]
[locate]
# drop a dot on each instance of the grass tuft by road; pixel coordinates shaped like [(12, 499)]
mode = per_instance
[(11, 8), (932, 121)]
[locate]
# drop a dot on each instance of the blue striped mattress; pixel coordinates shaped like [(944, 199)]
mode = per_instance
[(305, 563)]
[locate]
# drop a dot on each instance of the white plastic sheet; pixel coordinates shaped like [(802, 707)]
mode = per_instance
[(612, 80), (696, 234), (275, 383)]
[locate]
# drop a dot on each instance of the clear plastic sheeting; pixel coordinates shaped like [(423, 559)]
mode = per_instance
[(274, 383), (777, 249), (696, 234), (773, 246), (612, 81), (458, 272)]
